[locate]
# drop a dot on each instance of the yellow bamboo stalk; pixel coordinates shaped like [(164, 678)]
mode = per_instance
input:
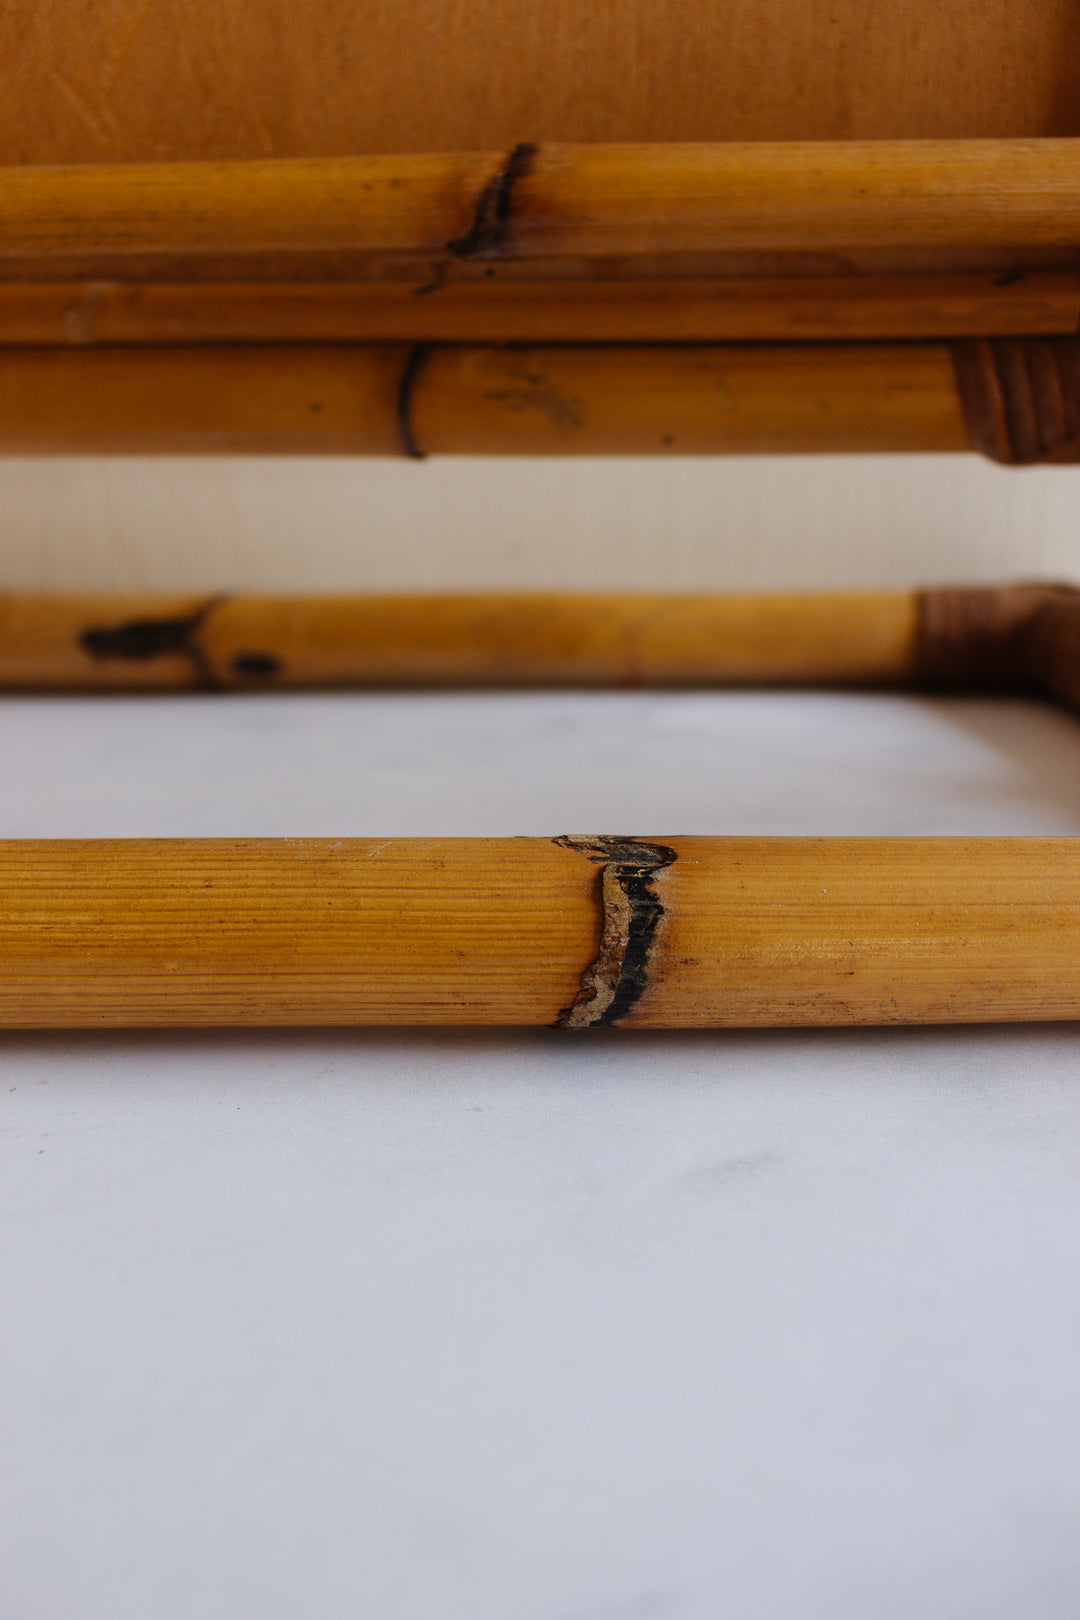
[(250, 643), (788, 309), (687, 933), (577, 202), (1005, 638), (385, 399)]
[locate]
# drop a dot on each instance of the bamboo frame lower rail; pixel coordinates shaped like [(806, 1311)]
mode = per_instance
[(578, 932)]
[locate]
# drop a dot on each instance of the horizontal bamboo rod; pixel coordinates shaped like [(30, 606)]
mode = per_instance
[(1023, 639), (387, 399), (251, 643), (72, 314), (582, 202), (684, 933)]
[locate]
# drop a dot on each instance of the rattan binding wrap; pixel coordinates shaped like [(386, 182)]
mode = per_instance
[(1021, 397)]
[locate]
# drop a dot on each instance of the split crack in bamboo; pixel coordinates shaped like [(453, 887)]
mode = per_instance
[(631, 913)]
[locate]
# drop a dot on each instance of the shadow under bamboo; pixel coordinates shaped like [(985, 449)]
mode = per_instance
[(721, 931), (789, 309), (387, 399), (575, 202)]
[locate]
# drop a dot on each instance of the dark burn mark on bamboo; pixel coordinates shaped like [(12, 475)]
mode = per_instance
[(415, 362), (256, 665), (489, 232), (632, 912), (141, 640)]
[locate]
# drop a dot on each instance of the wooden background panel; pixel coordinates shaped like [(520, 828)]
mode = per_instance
[(133, 80)]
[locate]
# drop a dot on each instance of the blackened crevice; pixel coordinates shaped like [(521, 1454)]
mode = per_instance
[(142, 640), (489, 232), (256, 665), (632, 911), (415, 362)]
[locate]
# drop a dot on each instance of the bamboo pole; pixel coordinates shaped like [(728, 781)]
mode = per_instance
[(251, 643), (385, 399), (791, 309), (576, 202), (1022, 639), (688, 933)]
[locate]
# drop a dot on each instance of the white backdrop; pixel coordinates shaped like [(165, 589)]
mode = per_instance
[(339, 524)]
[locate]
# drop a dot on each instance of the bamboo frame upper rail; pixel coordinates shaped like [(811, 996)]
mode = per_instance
[(576, 202), (687, 299)]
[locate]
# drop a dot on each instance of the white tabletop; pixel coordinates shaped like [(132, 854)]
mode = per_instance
[(537, 1326)]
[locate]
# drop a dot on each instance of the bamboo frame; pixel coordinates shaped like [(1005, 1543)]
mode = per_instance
[(576, 931), (276, 306)]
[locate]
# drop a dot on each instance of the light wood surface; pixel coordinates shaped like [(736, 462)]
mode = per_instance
[(499, 931), (74, 314), (109, 80), (390, 399), (602, 638), (391, 215)]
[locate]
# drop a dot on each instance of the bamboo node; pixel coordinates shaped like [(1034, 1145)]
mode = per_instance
[(631, 915), (415, 364), (487, 235)]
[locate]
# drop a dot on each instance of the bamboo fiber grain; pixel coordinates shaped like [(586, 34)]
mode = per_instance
[(726, 931)]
